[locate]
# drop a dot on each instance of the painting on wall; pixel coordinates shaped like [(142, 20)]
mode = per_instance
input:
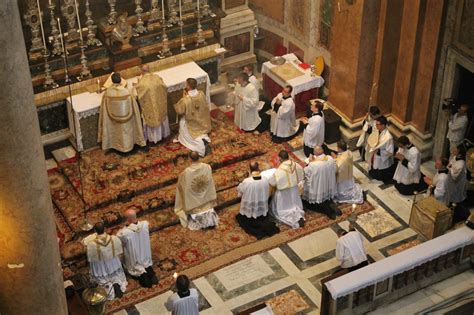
[(298, 18), (325, 24)]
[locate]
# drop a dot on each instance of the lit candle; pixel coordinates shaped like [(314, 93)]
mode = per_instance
[(98, 85), (78, 19), (198, 7), (353, 207), (41, 23), (61, 36), (49, 2), (175, 275), (180, 16), (163, 9)]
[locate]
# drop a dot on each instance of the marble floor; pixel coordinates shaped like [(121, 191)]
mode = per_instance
[(288, 277)]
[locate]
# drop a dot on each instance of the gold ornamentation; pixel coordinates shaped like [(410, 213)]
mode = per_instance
[(199, 184)]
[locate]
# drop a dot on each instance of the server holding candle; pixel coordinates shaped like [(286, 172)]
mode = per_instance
[(185, 301)]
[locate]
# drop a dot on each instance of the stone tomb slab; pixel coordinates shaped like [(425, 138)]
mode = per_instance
[(315, 244)]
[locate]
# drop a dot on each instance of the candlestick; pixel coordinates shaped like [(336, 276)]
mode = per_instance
[(199, 37), (163, 9), (49, 81), (180, 11), (154, 14), (165, 50), (98, 86), (78, 19), (139, 27), (198, 6), (85, 72), (66, 76), (54, 30), (112, 14), (41, 24), (69, 11), (91, 28)]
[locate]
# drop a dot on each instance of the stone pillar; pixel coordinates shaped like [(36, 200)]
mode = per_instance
[(30, 270)]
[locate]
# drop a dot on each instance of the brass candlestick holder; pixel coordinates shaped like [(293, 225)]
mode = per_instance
[(85, 72), (112, 18), (139, 26), (165, 50), (49, 82), (181, 24), (173, 16), (54, 31), (91, 28), (154, 14), (199, 36)]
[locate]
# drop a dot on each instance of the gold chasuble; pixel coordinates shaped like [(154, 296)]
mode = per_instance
[(344, 162), (196, 113), (120, 126), (152, 96), (195, 191)]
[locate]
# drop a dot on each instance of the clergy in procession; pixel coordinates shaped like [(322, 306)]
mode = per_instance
[(457, 175), (283, 123), (286, 205), (408, 174), (320, 184), (367, 127), (313, 134), (348, 191), (252, 78), (439, 183), (195, 121), (196, 196), (120, 126), (245, 101), (380, 156), (254, 192), (152, 98), (135, 238), (185, 301), (103, 253), (350, 251)]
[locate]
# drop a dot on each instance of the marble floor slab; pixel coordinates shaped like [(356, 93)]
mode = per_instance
[(64, 153), (315, 244)]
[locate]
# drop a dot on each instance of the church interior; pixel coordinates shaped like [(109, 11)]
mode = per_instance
[(236, 157)]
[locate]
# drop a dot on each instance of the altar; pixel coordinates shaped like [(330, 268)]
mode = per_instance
[(83, 109), (305, 84)]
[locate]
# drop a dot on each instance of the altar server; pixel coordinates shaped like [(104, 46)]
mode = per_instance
[(439, 184), (283, 123), (245, 100), (196, 196), (380, 156), (320, 183), (252, 78), (254, 192), (457, 175), (348, 191), (185, 301), (103, 254), (367, 127), (195, 121), (120, 127), (457, 126), (152, 98), (313, 134), (407, 174), (350, 251), (135, 238), (286, 204)]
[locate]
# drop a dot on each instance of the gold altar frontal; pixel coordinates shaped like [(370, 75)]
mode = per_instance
[(430, 218)]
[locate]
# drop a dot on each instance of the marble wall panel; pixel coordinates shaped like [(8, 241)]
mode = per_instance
[(274, 9)]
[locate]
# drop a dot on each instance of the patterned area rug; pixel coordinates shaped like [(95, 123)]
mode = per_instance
[(146, 180)]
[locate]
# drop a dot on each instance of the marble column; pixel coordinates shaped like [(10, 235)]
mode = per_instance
[(30, 271)]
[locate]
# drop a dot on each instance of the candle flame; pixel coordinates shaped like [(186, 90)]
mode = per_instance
[(175, 275)]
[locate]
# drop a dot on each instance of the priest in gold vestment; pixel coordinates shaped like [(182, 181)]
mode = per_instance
[(120, 127), (348, 191), (196, 196), (195, 120), (152, 98)]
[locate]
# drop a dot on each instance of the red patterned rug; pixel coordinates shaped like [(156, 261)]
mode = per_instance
[(146, 180)]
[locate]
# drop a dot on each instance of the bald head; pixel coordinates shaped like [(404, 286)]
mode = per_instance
[(318, 150), (194, 156), (131, 215), (145, 69)]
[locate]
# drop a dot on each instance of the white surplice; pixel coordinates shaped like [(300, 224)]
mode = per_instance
[(188, 305), (348, 191), (253, 80), (185, 138), (411, 173), (313, 134), (286, 204), (103, 254), (457, 180), (254, 195), (441, 182), (246, 110), (283, 123), (137, 250), (385, 147), (368, 123), (320, 180), (350, 249), (156, 134), (456, 129)]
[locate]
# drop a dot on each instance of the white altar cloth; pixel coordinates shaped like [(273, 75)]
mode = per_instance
[(398, 263), (300, 84), (87, 104)]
